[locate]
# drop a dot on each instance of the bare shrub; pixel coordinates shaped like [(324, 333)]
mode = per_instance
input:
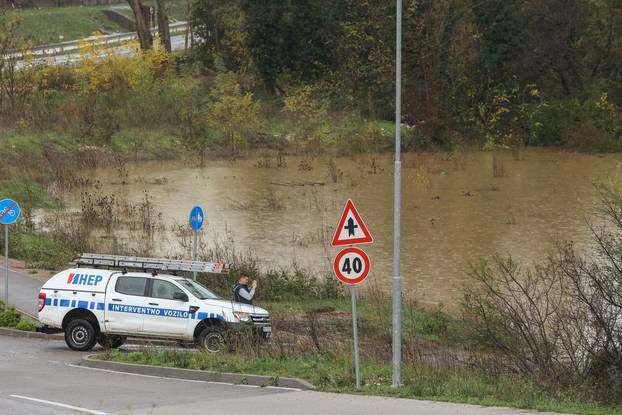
[(560, 322), (336, 174), (305, 165), (516, 314), (273, 201)]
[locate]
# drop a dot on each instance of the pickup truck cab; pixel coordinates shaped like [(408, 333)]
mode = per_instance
[(99, 305)]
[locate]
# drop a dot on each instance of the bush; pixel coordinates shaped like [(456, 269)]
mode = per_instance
[(553, 122), (559, 322), (9, 318), (26, 326)]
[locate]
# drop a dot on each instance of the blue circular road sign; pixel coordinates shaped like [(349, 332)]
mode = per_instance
[(196, 218), (9, 211)]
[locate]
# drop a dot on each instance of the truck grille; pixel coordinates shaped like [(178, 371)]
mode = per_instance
[(260, 320)]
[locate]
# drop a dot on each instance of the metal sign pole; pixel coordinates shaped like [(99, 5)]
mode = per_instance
[(6, 267), (194, 252), (357, 370), (397, 279)]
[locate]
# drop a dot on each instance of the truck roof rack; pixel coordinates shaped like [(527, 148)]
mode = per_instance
[(153, 264)]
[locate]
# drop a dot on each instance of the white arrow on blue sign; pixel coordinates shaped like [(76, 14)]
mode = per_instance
[(9, 211), (196, 218)]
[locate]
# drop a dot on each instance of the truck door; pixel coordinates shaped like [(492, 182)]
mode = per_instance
[(126, 304), (173, 316)]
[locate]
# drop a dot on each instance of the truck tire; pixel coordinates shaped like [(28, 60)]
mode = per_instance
[(80, 335), (110, 342), (211, 339)]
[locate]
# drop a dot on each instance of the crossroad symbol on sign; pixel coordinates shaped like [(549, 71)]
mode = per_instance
[(351, 229)]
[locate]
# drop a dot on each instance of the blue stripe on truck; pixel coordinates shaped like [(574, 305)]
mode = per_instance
[(121, 308)]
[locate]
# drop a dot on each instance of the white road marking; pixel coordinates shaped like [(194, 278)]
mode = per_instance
[(182, 380), (283, 388), (60, 405)]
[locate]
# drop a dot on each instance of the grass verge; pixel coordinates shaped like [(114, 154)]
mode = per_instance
[(47, 24), (335, 373)]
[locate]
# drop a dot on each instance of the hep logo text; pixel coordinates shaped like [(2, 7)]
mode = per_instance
[(84, 279)]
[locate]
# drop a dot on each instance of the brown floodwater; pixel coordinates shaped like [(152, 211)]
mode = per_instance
[(454, 211)]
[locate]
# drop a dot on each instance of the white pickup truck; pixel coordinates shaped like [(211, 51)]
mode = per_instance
[(93, 305)]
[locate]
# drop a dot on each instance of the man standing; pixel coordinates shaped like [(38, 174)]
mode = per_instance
[(241, 291)]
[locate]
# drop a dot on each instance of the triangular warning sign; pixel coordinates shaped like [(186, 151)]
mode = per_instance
[(351, 229)]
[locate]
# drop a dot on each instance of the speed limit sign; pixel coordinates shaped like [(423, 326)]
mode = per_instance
[(351, 265)]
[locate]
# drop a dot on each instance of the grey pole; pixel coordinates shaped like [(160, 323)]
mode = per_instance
[(6, 267), (357, 370), (194, 252), (397, 288)]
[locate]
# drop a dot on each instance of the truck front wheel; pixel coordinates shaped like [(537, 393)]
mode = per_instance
[(80, 335), (211, 339)]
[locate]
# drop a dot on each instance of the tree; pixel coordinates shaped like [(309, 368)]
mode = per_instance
[(142, 22), (232, 111), (163, 28), (9, 42), (299, 38), (221, 30)]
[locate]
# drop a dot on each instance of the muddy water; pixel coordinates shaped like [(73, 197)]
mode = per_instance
[(454, 210)]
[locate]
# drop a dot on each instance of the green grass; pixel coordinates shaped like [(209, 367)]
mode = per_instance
[(144, 144), (26, 192), (45, 25), (336, 374), (432, 325), (176, 9), (40, 250)]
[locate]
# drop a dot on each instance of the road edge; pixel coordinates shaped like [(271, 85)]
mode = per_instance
[(8, 331), (192, 374), (13, 332)]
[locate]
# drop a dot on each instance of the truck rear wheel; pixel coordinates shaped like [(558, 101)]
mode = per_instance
[(80, 335), (110, 342), (211, 339)]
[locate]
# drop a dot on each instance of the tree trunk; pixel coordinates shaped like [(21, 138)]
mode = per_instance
[(142, 25), (165, 35), (188, 25)]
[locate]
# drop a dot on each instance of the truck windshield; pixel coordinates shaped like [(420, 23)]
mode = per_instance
[(198, 290)]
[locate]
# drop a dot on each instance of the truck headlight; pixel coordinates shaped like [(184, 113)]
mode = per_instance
[(245, 317)]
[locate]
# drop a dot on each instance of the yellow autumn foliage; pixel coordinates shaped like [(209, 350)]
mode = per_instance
[(100, 70)]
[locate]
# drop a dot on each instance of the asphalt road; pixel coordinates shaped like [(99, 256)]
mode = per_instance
[(23, 291), (39, 376)]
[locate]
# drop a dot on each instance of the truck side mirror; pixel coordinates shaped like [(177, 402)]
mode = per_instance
[(180, 296)]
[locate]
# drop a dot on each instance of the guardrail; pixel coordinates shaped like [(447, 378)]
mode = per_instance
[(63, 47)]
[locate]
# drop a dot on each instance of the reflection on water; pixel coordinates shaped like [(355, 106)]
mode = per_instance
[(454, 210)]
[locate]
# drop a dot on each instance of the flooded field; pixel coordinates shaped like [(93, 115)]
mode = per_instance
[(455, 210)]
